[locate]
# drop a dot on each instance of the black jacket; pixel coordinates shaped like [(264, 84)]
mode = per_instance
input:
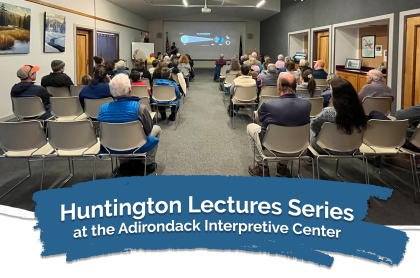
[(56, 80), (29, 89), (144, 74)]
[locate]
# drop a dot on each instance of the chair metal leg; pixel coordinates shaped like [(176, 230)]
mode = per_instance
[(71, 170), (313, 168), (145, 165), (317, 166), (94, 169), (365, 160), (291, 169), (27, 177), (414, 173), (179, 118), (336, 170), (42, 172)]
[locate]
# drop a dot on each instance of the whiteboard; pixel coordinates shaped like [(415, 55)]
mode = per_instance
[(144, 49)]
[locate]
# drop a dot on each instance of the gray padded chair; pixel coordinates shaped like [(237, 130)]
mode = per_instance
[(59, 91)]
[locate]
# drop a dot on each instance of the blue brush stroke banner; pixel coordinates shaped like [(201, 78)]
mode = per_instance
[(288, 218)]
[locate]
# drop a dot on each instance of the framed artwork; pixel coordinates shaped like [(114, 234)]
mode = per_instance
[(368, 46), (54, 33), (354, 64), (15, 29)]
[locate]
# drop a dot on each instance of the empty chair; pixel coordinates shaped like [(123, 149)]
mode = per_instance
[(317, 106), (140, 91), (59, 91), (72, 139), (147, 81), (381, 104), (331, 139), (322, 84), (415, 140), (269, 91), (223, 71), (92, 106), (27, 107), (166, 94), (285, 143), (75, 90), (67, 109), (244, 96), (146, 102), (24, 140)]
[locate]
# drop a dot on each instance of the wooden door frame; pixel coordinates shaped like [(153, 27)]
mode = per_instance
[(92, 46), (315, 31), (401, 55)]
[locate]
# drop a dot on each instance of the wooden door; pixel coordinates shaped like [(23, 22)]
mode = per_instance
[(324, 48), (412, 64), (82, 54)]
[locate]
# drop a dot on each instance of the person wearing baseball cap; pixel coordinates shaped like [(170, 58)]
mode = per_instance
[(27, 88), (150, 59), (57, 78), (319, 72)]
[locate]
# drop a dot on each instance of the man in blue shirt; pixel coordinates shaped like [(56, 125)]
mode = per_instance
[(164, 81), (319, 72), (288, 110)]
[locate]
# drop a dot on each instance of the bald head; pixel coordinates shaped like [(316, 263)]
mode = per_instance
[(286, 84), (254, 55), (374, 76)]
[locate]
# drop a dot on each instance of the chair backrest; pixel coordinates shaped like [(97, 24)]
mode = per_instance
[(75, 90), (175, 78), (265, 98), (331, 138), (139, 91), (229, 78), (321, 82), (286, 139), (269, 91), (122, 137), (415, 139), (65, 107), (385, 134), (235, 72), (164, 93), (303, 93), (59, 91), (246, 94), (71, 135), (185, 71), (146, 101), (381, 104), (317, 105), (21, 136), (223, 70), (27, 107), (147, 81), (92, 106)]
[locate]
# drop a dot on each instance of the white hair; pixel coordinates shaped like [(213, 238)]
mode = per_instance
[(376, 76), (280, 57), (303, 63), (167, 59), (222, 56), (272, 68), (120, 64), (120, 85)]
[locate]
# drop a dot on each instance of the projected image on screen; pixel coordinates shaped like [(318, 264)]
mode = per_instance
[(195, 39)]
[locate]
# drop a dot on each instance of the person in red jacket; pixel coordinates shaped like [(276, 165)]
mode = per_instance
[(219, 64)]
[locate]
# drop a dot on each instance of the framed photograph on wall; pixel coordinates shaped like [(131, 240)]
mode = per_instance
[(54, 33), (368, 46), (354, 64)]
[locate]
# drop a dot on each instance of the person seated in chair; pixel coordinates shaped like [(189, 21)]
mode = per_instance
[(135, 76), (244, 80), (219, 64), (139, 66), (98, 88), (165, 81), (288, 110), (319, 72), (27, 88), (270, 77), (127, 108), (375, 86), (57, 78)]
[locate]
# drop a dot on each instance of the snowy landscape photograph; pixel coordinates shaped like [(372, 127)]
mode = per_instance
[(15, 29), (55, 33)]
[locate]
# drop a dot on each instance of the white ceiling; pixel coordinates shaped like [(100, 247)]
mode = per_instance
[(162, 9)]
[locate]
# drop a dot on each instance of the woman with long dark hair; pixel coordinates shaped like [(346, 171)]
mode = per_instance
[(347, 113), (307, 87), (98, 88)]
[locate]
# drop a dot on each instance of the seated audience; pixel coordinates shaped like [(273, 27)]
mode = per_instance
[(234, 65), (267, 61), (110, 68), (270, 77), (319, 72), (98, 61), (99, 88), (244, 80), (283, 69), (127, 108), (280, 63), (57, 78), (150, 60), (141, 68), (185, 63), (347, 113), (288, 110), (327, 93), (255, 56), (27, 88), (243, 59), (192, 67), (168, 62), (307, 87), (411, 114), (182, 86), (376, 86), (157, 73), (178, 55), (154, 65), (254, 67), (290, 68), (165, 81), (86, 80), (121, 68), (135, 77), (219, 64), (303, 65)]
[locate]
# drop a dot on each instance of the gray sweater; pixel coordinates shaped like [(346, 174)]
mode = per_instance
[(375, 89)]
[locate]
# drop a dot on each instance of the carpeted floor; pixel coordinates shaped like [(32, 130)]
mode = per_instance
[(206, 144)]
